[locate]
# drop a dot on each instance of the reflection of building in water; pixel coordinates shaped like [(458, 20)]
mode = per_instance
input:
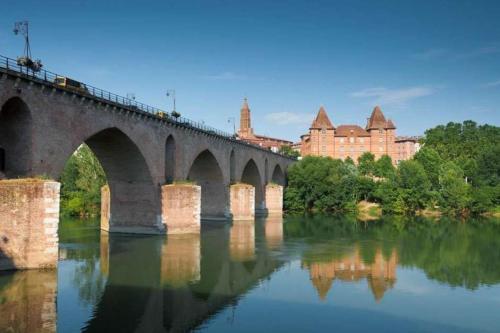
[(28, 301), (381, 274), (242, 240), (180, 260), (274, 232)]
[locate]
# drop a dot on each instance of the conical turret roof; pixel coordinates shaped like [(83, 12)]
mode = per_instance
[(322, 120), (377, 120)]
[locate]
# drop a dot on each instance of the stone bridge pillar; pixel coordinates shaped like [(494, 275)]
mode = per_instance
[(274, 199), (242, 201), (181, 208), (29, 217)]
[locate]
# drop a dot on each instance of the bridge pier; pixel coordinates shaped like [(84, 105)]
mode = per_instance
[(181, 208), (29, 217), (242, 201), (274, 199)]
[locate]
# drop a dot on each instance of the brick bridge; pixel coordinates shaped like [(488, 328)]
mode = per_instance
[(164, 174)]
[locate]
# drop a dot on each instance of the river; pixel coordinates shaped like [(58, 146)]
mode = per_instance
[(307, 274)]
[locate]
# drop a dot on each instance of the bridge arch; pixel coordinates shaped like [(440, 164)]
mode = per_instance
[(207, 173), (266, 171), (15, 139), (251, 175), (170, 159), (278, 176), (133, 199), (232, 167)]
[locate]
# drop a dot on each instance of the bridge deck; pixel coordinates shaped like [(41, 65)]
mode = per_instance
[(10, 67)]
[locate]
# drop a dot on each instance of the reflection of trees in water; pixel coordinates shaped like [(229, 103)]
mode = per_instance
[(89, 281), (455, 252), (79, 241)]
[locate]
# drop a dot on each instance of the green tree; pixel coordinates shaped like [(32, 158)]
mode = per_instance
[(288, 151), (384, 167), (431, 161), (81, 180), (321, 184), (409, 191), (454, 191), (366, 164)]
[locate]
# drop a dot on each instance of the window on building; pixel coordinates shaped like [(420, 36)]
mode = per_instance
[(381, 148), (351, 140), (341, 140), (323, 130), (381, 140), (362, 148), (341, 149), (381, 131), (2, 159), (361, 140)]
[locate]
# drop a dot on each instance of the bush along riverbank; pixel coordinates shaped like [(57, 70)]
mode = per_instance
[(456, 172)]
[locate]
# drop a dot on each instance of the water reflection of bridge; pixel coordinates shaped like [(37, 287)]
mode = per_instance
[(152, 284), (380, 274), (176, 284)]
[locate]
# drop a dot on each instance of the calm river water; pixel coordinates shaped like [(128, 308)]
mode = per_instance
[(297, 275)]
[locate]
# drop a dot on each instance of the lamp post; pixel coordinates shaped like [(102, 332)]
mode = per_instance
[(232, 120), (171, 93)]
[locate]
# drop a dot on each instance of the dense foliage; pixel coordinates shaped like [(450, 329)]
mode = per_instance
[(81, 184), (457, 172), (289, 151)]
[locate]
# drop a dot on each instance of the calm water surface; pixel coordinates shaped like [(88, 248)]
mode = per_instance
[(297, 275)]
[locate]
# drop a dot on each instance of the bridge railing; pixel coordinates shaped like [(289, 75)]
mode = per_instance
[(49, 78)]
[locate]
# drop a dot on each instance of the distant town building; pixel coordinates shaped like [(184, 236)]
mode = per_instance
[(406, 147), (325, 139), (246, 133)]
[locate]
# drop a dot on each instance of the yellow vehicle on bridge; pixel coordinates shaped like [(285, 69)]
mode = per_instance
[(68, 83)]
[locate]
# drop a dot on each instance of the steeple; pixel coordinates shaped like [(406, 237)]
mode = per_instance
[(245, 120), (322, 120)]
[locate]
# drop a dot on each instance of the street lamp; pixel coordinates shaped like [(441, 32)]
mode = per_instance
[(171, 93)]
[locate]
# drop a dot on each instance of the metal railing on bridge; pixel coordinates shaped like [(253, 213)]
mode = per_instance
[(86, 90)]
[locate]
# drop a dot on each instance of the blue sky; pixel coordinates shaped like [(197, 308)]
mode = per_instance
[(424, 62)]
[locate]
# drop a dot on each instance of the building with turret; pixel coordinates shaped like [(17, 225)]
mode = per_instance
[(342, 141), (246, 133)]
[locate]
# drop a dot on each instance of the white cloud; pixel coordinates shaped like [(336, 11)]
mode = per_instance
[(493, 84), (385, 96), (288, 118), (225, 76), (430, 54), (493, 49)]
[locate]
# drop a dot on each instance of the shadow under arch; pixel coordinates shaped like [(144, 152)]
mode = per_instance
[(170, 159), (278, 176), (206, 172), (251, 175), (134, 199), (15, 139)]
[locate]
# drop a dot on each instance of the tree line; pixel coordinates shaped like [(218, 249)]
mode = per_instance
[(456, 172)]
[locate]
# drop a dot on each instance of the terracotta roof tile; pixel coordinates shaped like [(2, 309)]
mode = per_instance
[(322, 120), (351, 130)]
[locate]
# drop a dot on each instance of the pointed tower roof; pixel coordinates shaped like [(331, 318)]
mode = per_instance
[(390, 125), (322, 120), (245, 104), (376, 120)]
